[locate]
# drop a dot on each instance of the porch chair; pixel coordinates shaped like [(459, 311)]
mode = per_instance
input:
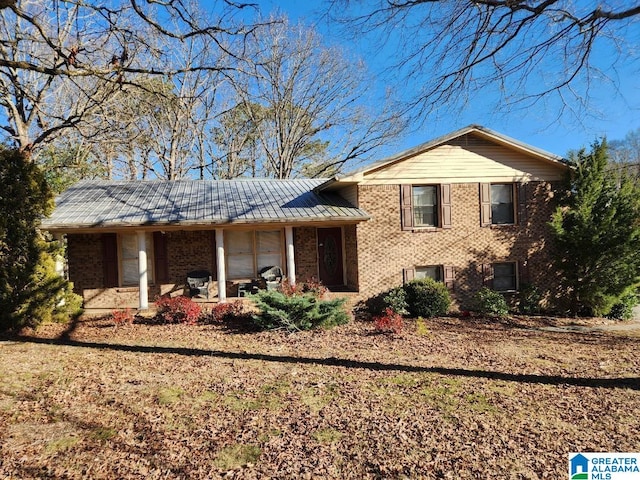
[(272, 277), (198, 282)]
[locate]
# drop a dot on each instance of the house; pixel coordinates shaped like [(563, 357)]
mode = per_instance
[(469, 208)]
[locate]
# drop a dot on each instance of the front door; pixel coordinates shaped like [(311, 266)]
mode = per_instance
[(330, 256)]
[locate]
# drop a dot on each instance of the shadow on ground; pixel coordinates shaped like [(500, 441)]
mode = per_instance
[(632, 383)]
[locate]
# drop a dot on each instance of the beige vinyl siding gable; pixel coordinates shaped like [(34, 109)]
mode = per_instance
[(467, 159)]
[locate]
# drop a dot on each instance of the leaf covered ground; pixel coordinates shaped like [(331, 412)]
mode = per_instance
[(448, 398)]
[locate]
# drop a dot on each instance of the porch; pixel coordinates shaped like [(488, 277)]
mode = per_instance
[(127, 269)]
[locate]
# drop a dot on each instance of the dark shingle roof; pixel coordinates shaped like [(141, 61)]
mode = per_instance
[(94, 203)]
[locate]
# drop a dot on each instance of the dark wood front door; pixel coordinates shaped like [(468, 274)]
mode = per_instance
[(330, 256)]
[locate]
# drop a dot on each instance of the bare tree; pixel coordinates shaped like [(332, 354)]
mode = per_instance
[(62, 61), (624, 154), (155, 128), (234, 151), (525, 50), (310, 105)]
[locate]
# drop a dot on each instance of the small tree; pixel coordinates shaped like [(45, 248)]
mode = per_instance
[(597, 233), (31, 292)]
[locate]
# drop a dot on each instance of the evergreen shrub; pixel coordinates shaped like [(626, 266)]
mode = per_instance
[(623, 309), (297, 311), (492, 303), (426, 297)]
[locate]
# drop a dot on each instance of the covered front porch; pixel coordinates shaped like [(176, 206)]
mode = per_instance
[(129, 242), (130, 269)]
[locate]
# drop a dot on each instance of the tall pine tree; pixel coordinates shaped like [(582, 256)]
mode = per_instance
[(597, 234)]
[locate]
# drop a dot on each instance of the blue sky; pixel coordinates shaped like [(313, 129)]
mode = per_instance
[(614, 111)]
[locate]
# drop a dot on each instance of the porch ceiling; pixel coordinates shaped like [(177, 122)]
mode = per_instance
[(106, 204)]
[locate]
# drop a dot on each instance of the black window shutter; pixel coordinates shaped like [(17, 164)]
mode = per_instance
[(110, 259), (406, 210), (214, 259), (160, 257), (523, 273), (521, 194)]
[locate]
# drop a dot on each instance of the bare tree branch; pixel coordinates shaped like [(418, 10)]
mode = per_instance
[(530, 49), (61, 62)]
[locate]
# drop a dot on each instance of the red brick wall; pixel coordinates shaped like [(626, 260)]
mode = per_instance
[(186, 251), (306, 254), (384, 250), (351, 255)]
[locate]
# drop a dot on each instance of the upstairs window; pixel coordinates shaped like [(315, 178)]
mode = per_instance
[(425, 207), (502, 209), (499, 201)]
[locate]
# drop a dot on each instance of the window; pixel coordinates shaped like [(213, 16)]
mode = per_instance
[(498, 203), (504, 277), (248, 252), (425, 207), (128, 243), (440, 273), (434, 272), (502, 212)]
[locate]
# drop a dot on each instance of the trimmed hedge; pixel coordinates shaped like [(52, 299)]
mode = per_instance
[(426, 297)]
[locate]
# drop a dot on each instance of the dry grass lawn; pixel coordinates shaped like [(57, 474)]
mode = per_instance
[(452, 398)]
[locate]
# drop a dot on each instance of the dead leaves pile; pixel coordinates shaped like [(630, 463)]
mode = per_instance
[(461, 398)]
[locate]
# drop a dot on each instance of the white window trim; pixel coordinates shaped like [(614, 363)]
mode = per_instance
[(437, 207)]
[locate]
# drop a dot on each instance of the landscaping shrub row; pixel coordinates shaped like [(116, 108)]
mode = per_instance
[(291, 308), (303, 307)]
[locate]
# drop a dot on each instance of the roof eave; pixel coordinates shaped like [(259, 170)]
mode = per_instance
[(85, 227)]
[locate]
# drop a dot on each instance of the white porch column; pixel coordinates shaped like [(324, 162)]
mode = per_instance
[(291, 258), (222, 274), (142, 270), (59, 258)]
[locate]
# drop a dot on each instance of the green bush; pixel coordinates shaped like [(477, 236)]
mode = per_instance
[(529, 299), (396, 299), (623, 309), (427, 298), (490, 302), (297, 312)]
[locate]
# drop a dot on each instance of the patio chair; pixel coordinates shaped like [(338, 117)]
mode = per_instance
[(272, 277), (198, 281)]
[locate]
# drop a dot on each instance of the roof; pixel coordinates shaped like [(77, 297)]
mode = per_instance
[(116, 204), (492, 135)]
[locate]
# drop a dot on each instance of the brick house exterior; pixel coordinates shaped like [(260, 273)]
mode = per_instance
[(470, 209)]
